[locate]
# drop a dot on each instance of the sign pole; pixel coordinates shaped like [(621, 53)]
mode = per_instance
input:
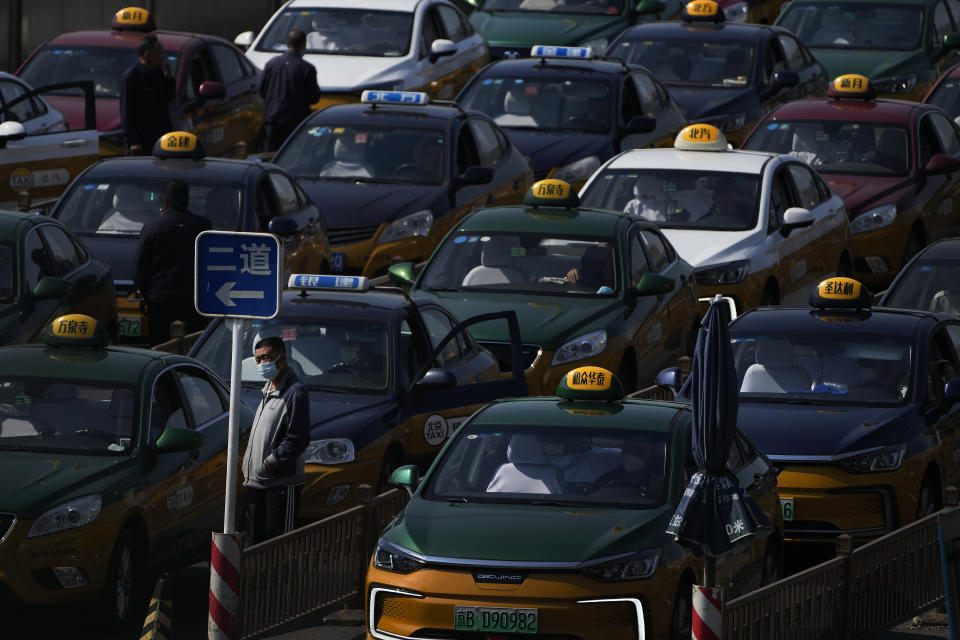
[(233, 438)]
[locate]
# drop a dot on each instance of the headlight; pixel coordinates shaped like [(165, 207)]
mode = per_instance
[(736, 12), (589, 344), (415, 224), (895, 84), (728, 273), (578, 171), (390, 557), (880, 460), (874, 218), (637, 566), (598, 45), (68, 515), (329, 451)]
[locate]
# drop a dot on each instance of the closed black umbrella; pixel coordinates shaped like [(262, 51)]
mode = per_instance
[(715, 513)]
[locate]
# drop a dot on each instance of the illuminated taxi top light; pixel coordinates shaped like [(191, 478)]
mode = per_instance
[(590, 383), (394, 97), (841, 293), (551, 193), (75, 330), (700, 137), (133, 19), (547, 51), (702, 11), (851, 86), (328, 283), (179, 144)]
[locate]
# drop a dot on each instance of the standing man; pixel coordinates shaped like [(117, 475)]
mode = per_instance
[(146, 90), (288, 88), (273, 464), (164, 264)]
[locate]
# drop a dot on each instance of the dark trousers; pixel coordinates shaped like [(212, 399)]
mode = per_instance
[(277, 133), (164, 312), (275, 511)]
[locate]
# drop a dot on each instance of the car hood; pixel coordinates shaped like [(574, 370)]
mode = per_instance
[(520, 28), (549, 149), (351, 204), (873, 63), (819, 430), (702, 247), (707, 102), (525, 533), (108, 111), (116, 251), (544, 320), (858, 191), (33, 481), (341, 73)]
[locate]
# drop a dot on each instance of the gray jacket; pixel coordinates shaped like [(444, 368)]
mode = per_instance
[(280, 434)]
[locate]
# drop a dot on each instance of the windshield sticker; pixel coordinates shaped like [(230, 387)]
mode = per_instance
[(460, 239)]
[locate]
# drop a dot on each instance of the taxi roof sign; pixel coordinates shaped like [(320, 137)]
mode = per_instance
[(75, 330), (394, 97), (179, 144), (702, 11), (700, 137), (133, 19), (551, 193), (328, 283), (841, 293), (590, 383), (550, 51), (851, 86)]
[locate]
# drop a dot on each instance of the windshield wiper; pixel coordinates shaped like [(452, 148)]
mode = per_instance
[(443, 289), (555, 503)]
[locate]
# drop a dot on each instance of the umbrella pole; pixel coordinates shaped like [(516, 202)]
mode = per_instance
[(709, 571)]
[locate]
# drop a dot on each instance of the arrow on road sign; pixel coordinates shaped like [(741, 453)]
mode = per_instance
[(227, 296)]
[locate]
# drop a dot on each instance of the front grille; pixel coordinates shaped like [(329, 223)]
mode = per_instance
[(350, 235), (501, 351), (6, 523)]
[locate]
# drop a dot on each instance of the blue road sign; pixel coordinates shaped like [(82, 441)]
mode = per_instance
[(238, 274)]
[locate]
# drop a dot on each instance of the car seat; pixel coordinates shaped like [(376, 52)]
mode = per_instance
[(946, 301), (129, 211), (527, 469), (348, 161), (833, 29), (516, 109), (497, 266), (774, 370)]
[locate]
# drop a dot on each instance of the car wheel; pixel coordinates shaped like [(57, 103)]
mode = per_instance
[(391, 462), (770, 297), (929, 499), (681, 620), (912, 248), (627, 373), (122, 587)]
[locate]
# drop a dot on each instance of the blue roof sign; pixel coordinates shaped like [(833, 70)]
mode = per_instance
[(546, 51), (238, 274), (394, 97), (341, 283)]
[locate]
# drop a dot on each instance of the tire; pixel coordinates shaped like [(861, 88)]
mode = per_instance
[(681, 620), (627, 373), (912, 248), (770, 297), (929, 500), (121, 602)]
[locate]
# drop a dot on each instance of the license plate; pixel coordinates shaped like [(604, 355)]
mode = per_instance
[(131, 326), (786, 508), (337, 259), (495, 619)]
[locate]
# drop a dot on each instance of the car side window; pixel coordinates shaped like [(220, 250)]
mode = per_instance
[(413, 351), (648, 94), (24, 110), (228, 62), (466, 150), (638, 261), (430, 32), (929, 144), (941, 366), (792, 53), (630, 105), (806, 186), (438, 325), (656, 251), (452, 25), (780, 200), (946, 133), (942, 25), (266, 206), (66, 260), (488, 146), (200, 71), (166, 407), (286, 194), (36, 260), (201, 396), (822, 187)]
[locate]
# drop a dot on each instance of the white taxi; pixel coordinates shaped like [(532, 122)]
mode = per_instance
[(393, 45), (761, 228)]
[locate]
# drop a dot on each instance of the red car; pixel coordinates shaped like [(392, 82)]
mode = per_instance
[(890, 160), (216, 85)]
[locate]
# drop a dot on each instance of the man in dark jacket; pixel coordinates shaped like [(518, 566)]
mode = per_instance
[(146, 90), (288, 87), (165, 264), (273, 464)]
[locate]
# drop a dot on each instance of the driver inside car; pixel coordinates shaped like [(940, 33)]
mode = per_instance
[(640, 468)]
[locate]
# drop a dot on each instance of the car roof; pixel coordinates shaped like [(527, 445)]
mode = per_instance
[(583, 222), (865, 110), (640, 415), (373, 5), (675, 29), (551, 67), (941, 250), (436, 115), (227, 169), (735, 161), (110, 364), (125, 39), (879, 321)]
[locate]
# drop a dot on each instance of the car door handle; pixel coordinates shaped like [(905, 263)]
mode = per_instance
[(76, 142)]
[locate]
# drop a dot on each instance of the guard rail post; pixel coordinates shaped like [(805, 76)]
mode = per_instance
[(951, 496), (367, 535), (177, 332), (844, 548)]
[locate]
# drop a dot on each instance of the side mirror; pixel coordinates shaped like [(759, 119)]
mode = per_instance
[(951, 390), (951, 40), (401, 273), (669, 378), (407, 476), (476, 175), (652, 284), (50, 288), (784, 78), (650, 7), (282, 226), (11, 130), (244, 39), (795, 218), (436, 379), (641, 124), (940, 164), (175, 439), (212, 90), (441, 48)]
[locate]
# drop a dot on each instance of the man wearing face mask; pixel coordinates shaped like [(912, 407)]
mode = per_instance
[(273, 465)]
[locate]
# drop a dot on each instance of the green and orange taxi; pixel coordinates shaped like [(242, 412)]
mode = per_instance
[(547, 516), (113, 465)]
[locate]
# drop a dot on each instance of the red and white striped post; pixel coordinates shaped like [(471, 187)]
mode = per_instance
[(707, 613), (223, 619)]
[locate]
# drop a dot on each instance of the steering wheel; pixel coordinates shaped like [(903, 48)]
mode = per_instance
[(553, 280), (413, 167), (343, 367)]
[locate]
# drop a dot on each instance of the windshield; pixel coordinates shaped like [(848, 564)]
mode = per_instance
[(608, 7), (523, 263), (947, 96), (833, 146), (8, 287), (66, 416), (341, 355), (371, 154), (546, 464), (102, 65), (855, 25), (691, 62), (349, 32), (930, 285), (824, 367), (679, 198), (579, 105), (122, 207)]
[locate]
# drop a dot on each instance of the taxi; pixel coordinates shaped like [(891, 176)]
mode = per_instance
[(931, 281), (893, 162), (216, 96), (945, 93), (723, 74), (757, 227), (397, 171), (113, 462), (390, 378), (569, 111), (476, 549), (388, 45), (855, 404), (108, 204), (588, 286), (901, 45)]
